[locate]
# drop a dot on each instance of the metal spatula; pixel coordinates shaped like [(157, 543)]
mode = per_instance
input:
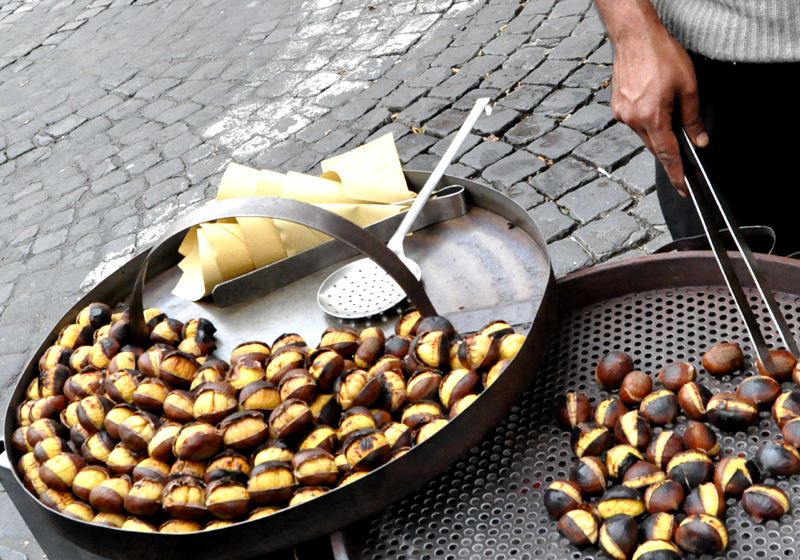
[(362, 288)]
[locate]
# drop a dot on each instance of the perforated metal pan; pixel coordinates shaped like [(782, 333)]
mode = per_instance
[(658, 309), (490, 263)]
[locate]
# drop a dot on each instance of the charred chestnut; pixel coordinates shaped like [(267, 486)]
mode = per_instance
[(778, 458), (765, 502), (702, 438), (608, 411), (664, 496), (660, 407), (691, 469), (760, 389), (658, 527), (786, 407), (731, 413), (620, 458), (590, 474), (693, 399), (705, 499), (618, 536), (579, 526), (734, 475), (562, 496), (620, 500), (701, 534), (642, 474), (574, 409), (633, 429)]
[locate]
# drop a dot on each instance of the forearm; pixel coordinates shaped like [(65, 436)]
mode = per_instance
[(630, 21)]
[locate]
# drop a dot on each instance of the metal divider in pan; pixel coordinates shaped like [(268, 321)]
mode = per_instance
[(494, 252)]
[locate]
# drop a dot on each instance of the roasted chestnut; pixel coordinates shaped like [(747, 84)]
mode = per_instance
[(325, 366), (760, 389), (342, 339), (701, 534), (676, 375), (179, 406), (562, 496), (702, 438), (642, 474), (153, 468), (705, 499), (122, 459), (731, 413), (579, 526), (658, 527), (664, 496), (185, 498), (366, 449), (693, 399), (407, 324), (591, 475), (574, 409), (734, 475), (197, 441), (657, 550), (214, 402), (151, 394), (290, 417), (620, 458), (478, 351), (60, 471), (144, 497), (723, 359), (432, 349), (612, 369), (777, 458), (660, 407), (786, 407), (244, 430), (283, 361), (228, 464), (138, 429), (458, 384), (590, 438), (791, 432), (783, 365), (765, 502), (315, 467), (227, 498), (244, 372), (618, 536), (271, 482), (691, 469), (635, 386), (94, 315), (620, 500), (109, 495), (97, 448), (160, 445), (608, 411), (179, 526), (429, 429)]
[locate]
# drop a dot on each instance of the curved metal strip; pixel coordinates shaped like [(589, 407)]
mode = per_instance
[(290, 211)]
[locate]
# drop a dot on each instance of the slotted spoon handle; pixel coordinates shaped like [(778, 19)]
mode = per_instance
[(291, 211), (396, 242)]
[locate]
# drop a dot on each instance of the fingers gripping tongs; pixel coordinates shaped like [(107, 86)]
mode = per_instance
[(695, 176)]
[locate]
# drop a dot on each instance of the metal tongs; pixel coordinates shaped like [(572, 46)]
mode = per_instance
[(694, 180)]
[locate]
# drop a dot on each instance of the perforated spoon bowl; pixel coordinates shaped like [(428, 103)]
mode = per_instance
[(362, 288)]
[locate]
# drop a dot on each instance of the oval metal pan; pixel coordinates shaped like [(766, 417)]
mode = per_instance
[(659, 309), (491, 263)]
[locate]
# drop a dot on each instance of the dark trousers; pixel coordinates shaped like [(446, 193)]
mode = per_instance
[(752, 116)]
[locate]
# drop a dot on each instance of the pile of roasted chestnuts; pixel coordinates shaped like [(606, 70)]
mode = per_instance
[(171, 438), (660, 492)]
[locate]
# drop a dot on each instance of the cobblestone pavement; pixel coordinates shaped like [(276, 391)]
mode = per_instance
[(117, 115)]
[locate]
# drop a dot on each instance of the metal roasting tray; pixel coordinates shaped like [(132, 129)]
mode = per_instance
[(489, 263), (658, 309)]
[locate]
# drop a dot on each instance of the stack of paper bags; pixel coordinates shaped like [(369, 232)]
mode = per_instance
[(364, 186)]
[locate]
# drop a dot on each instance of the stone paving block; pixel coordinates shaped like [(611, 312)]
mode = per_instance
[(526, 57), (152, 110), (482, 65), (465, 8), (505, 44), (590, 26), (649, 211), (16, 150), (65, 126), (500, 119), (428, 46), (556, 28), (317, 130), (109, 181), (610, 147), (373, 120), (551, 72), (576, 47), (615, 233), (373, 69), (143, 163), (455, 56), (525, 97), (340, 93), (455, 87), (459, 170), (421, 111), (553, 223), (155, 88), (180, 145), (590, 119), (332, 142), (160, 173), (396, 44), (639, 174), (164, 190), (432, 77), (397, 131), (524, 195), (408, 147), (603, 55), (563, 101), (476, 35), (354, 110), (523, 24), (423, 162), (102, 105), (125, 109), (528, 130), (513, 169), (496, 13), (604, 95), (570, 8), (505, 78), (591, 76), (402, 97), (445, 123), (467, 101), (562, 177), (380, 88), (441, 146), (595, 199), (56, 114), (485, 154), (566, 256)]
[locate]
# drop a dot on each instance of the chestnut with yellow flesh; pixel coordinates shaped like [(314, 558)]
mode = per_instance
[(122, 459), (152, 468), (54, 356), (398, 435), (618, 536), (591, 475), (355, 388), (326, 410), (290, 417), (109, 495), (178, 368), (262, 512), (664, 447), (102, 352), (765, 502), (461, 405), (271, 482), (306, 493), (150, 361), (227, 498), (115, 520), (660, 407), (144, 497), (510, 345), (245, 371), (663, 497), (60, 471), (427, 431), (80, 358), (29, 468), (197, 441), (786, 407), (82, 385), (495, 371), (561, 497), (608, 411), (160, 445), (56, 500), (691, 469), (168, 331), (80, 511), (620, 458), (579, 527), (590, 438), (731, 413), (315, 467), (254, 350), (366, 449), (321, 436), (69, 416), (97, 449), (218, 524), (122, 361), (343, 340), (95, 315), (419, 413), (407, 324), (74, 336), (228, 464), (120, 385), (214, 402), (283, 361), (325, 367), (658, 527), (693, 399), (356, 418), (138, 430), (351, 477), (573, 409), (150, 395), (705, 499), (41, 430), (185, 498), (180, 468), (733, 475), (139, 526), (657, 550), (179, 526), (49, 448), (432, 349), (244, 430), (47, 407), (298, 384), (87, 479), (478, 351), (393, 392), (424, 386), (458, 384), (701, 534), (179, 406), (631, 428), (642, 474), (260, 395), (206, 375), (51, 381), (275, 451), (289, 339), (369, 349), (620, 500)]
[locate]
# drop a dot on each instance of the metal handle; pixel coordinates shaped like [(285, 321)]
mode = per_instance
[(693, 180), (4, 464), (291, 211), (396, 242)]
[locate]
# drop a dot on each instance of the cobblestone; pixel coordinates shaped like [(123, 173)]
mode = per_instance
[(595, 199), (553, 223)]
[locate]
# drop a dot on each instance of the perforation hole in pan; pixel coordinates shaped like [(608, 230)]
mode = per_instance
[(489, 504)]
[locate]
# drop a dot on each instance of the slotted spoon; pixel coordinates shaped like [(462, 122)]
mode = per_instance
[(362, 288)]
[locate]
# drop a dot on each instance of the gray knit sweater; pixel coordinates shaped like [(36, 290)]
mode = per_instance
[(742, 30)]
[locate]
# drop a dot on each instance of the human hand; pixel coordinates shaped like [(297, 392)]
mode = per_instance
[(651, 73)]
